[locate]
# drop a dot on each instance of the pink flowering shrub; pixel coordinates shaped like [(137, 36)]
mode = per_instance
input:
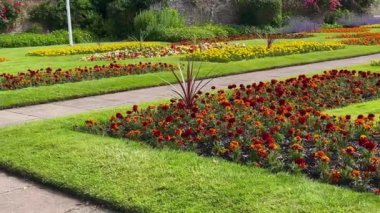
[(320, 5), (9, 11)]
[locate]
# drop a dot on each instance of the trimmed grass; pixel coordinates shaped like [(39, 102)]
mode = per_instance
[(360, 108), (36, 95), (131, 176)]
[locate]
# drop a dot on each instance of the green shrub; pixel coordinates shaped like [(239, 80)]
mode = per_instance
[(152, 21), (184, 33), (327, 26), (260, 12), (33, 39)]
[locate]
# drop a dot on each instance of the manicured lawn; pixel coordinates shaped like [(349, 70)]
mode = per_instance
[(45, 94), (133, 177), (360, 108)]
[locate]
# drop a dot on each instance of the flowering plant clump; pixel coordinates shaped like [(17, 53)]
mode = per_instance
[(277, 125), (246, 37), (241, 52), (363, 39), (320, 5), (356, 35), (49, 76), (9, 11), (345, 30), (149, 52), (94, 48), (2, 59)]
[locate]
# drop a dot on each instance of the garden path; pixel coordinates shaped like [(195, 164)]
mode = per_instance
[(18, 195), (75, 106)]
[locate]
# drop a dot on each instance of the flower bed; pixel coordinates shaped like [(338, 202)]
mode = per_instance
[(49, 76), (345, 30), (276, 125), (150, 52), (238, 52), (370, 40), (246, 37), (94, 48), (356, 35)]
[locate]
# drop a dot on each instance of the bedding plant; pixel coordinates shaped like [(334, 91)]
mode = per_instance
[(151, 52), (48, 76), (93, 48), (345, 30), (241, 52), (277, 125)]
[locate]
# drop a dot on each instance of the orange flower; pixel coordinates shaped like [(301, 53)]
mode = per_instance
[(335, 176), (133, 133), (355, 173), (297, 147), (257, 146), (374, 160), (325, 159), (213, 131), (179, 132), (262, 153), (233, 145), (319, 154), (273, 146)]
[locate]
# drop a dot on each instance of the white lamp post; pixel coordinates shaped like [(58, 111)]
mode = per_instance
[(69, 23)]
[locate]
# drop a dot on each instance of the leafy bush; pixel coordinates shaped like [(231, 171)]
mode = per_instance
[(104, 18), (206, 31), (260, 12), (151, 21), (32, 39), (184, 33)]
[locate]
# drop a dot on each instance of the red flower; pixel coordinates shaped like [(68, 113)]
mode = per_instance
[(301, 163), (169, 119)]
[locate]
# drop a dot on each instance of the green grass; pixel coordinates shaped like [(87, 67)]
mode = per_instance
[(131, 176), (356, 109), (36, 95)]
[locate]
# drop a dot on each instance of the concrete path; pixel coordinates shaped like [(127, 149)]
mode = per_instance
[(17, 195), (21, 196), (76, 106)]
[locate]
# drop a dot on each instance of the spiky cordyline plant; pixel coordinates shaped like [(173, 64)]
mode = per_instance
[(189, 87)]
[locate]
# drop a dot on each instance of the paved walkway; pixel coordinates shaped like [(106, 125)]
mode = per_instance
[(17, 195), (76, 106), (21, 196)]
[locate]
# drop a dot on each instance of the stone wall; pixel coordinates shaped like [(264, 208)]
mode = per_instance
[(22, 24), (201, 11)]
